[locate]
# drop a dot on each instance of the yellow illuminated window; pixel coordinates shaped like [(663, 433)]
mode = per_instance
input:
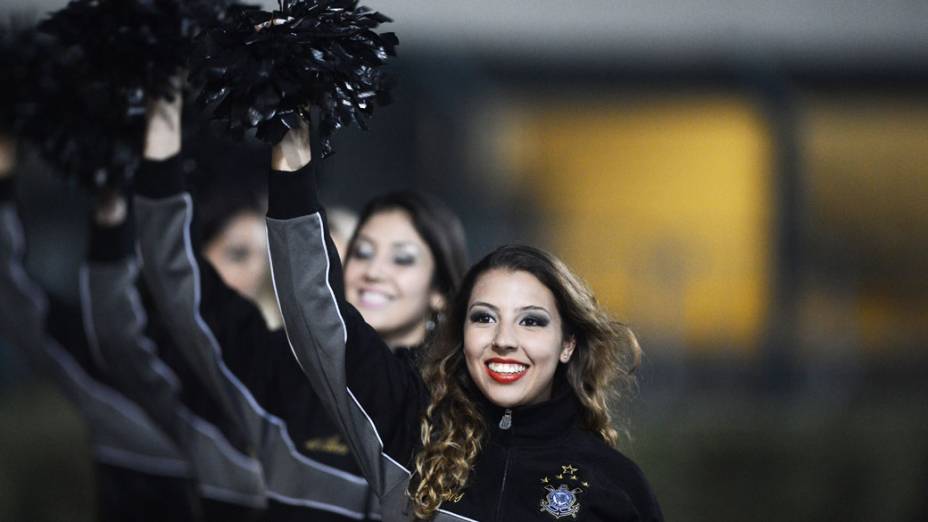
[(662, 204)]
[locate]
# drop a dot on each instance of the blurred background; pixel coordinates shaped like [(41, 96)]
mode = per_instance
[(744, 183)]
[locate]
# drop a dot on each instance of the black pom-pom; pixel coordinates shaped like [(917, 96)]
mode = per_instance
[(17, 52), (100, 62), (264, 70), (135, 43), (89, 130)]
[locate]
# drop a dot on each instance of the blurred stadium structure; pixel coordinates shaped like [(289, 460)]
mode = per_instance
[(746, 185)]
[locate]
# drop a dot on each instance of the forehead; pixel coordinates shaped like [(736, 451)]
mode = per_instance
[(389, 227), (246, 224), (512, 289)]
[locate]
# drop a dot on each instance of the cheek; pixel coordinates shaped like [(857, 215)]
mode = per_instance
[(415, 285), (543, 349), (471, 343), (353, 273), (476, 341), (258, 267), (473, 350)]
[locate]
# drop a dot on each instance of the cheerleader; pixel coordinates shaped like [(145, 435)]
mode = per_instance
[(509, 418), (141, 475)]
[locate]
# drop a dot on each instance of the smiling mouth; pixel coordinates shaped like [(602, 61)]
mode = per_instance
[(373, 299), (505, 371)]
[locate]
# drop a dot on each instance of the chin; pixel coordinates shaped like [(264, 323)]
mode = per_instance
[(373, 320), (371, 317), (506, 399), (505, 403)]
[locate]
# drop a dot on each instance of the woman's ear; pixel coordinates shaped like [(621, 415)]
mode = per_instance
[(437, 301), (567, 349)]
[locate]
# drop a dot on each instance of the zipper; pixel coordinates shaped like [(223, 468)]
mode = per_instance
[(504, 424), (502, 487)]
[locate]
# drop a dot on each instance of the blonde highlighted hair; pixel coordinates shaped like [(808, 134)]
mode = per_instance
[(453, 430)]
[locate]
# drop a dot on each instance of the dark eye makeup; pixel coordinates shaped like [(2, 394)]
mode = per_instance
[(236, 254), (535, 320), (480, 316), (404, 259)]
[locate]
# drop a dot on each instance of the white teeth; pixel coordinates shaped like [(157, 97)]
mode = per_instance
[(507, 367), (372, 298)]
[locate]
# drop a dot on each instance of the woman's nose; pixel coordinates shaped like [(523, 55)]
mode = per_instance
[(374, 270), (505, 339)]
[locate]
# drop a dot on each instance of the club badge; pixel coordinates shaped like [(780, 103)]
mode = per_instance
[(561, 501)]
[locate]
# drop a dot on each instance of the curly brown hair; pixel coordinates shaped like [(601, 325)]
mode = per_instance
[(452, 428)]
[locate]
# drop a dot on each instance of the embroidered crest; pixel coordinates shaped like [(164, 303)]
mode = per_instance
[(562, 501), (333, 445)]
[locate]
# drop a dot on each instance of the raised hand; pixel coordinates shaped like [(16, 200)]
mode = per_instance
[(163, 131), (293, 152), (110, 208)]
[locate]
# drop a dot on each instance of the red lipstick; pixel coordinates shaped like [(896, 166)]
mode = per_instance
[(505, 377)]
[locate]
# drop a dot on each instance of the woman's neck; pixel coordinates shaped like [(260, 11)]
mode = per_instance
[(406, 338)]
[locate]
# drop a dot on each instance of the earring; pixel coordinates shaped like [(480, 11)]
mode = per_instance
[(434, 319)]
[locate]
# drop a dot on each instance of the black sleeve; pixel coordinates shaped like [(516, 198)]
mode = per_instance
[(375, 398)]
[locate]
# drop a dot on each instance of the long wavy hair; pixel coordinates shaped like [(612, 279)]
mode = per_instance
[(452, 429)]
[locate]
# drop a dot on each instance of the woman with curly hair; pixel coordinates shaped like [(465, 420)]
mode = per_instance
[(509, 418)]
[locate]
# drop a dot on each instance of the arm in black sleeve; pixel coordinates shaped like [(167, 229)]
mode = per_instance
[(374, 397), (121, 433), (163, 213), (115, 323)]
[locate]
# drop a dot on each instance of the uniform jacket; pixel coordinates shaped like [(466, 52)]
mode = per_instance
[(542, 466), (248, 368), (137, 464)]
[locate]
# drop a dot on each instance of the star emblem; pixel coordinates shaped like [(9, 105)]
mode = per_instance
[(563, 501)]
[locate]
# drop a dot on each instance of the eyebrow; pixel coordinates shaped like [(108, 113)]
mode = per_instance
[(406, 244), (481, 303), (395, 244), (524, 308)]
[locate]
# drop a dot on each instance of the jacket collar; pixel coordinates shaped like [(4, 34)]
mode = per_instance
[(534, 424)]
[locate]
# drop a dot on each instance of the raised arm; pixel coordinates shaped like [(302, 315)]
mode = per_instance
[(163, 212), (122, 434), (115, 321), (374, 397)]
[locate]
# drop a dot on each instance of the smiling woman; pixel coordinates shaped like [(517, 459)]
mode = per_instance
[(514, 338), (404, 262), (524, 335), (509, 418)]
